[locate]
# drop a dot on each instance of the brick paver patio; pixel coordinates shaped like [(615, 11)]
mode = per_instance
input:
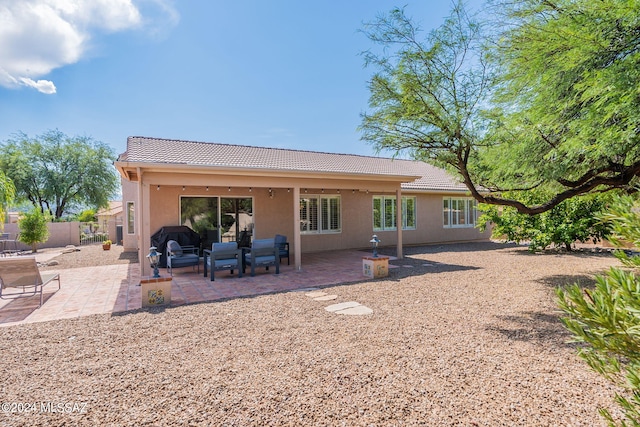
[(115, 288)]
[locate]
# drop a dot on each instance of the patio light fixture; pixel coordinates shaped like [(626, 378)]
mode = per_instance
[(154, 258), (374, 243)]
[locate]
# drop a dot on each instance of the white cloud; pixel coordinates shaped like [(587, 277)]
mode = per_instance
[(44, 86), (158, 16), (37, 36)]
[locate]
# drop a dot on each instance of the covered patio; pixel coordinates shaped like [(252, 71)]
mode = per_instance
[(115, 288)]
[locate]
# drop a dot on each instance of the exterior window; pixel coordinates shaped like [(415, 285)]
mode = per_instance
[(459, 213), (384, 213), (320, 214), (130, 218)]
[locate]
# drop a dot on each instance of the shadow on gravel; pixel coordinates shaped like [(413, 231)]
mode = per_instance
[(564, 280), (415, 264), (536, 327), (415, 267), (132, 257), (449, 247), (580, 252)]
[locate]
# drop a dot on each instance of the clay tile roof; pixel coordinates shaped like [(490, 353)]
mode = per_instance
[(115, 207), (157, 150)]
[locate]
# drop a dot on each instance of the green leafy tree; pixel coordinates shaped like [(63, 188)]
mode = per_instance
[(7, 196), (33, 228), (606, 319), (546, 98), (57, 173), (575, 219), (88, 215)]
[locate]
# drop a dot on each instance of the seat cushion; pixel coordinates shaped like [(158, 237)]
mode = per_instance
[(184, 260), (261, 260)]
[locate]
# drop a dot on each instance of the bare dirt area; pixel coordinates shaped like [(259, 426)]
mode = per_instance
[(460, 335)]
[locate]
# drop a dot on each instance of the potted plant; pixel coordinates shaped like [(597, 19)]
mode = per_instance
[(106, 245)]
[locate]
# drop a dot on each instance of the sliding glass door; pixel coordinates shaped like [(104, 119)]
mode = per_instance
[(218, 219)]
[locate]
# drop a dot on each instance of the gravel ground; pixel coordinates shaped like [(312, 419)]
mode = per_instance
[(89, 255), (468, 335)]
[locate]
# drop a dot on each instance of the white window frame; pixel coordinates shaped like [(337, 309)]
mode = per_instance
[(317, 219), (383, 220), (459, 212), (131, 218)]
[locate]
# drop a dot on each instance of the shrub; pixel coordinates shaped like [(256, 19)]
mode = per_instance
[(33, 228), (606, 319), (573, 220)]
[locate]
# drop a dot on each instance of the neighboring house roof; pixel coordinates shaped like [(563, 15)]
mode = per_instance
[(115, 208), (177, 152)]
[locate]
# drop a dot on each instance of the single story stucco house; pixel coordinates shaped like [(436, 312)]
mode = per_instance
[(320, 201)]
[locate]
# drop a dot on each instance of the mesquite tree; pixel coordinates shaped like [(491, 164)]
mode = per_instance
[(57, 173), (543, 96)]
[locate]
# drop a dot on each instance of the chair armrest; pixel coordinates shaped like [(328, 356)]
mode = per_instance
[(191, 249)]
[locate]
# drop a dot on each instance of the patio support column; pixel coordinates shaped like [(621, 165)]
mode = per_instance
[(297, 246), (138, 228), (399, 221)]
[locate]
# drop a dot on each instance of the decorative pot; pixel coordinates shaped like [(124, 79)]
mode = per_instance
[(106, 247)]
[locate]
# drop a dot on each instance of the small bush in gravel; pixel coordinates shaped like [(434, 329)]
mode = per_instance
[(607, 318), (33, 228)]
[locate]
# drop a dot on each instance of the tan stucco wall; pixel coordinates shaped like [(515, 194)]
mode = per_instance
[(274, 215), (430, 225), (60, 234)]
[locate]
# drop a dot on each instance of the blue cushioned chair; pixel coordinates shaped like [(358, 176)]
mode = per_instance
[(283, 247), (181, 256), (263, 254), (224, 256)]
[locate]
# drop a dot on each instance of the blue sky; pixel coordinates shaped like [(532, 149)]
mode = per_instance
[(278, 73)]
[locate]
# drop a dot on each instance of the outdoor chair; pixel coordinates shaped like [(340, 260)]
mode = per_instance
[(181, 256), (223, 256), (283, 247), (8, 245), (20, 277), (263, 253)]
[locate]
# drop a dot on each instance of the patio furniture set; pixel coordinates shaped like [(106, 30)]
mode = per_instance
[(230, 256)]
